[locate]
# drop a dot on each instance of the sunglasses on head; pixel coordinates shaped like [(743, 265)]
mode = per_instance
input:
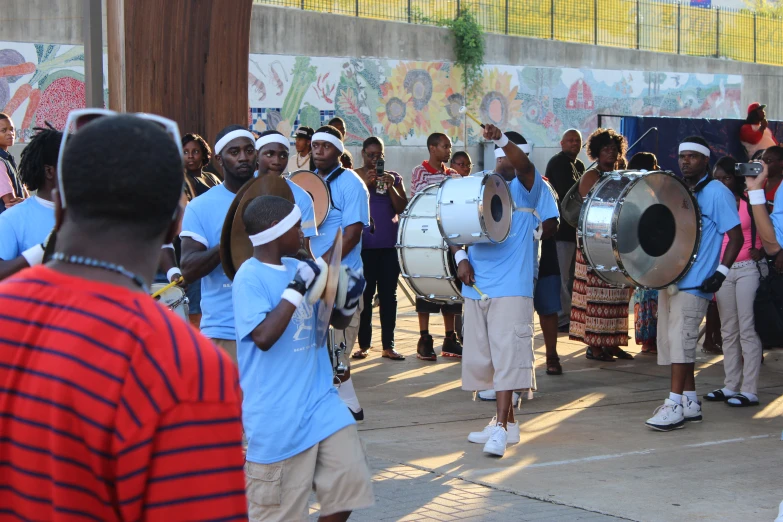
[(81, 117)]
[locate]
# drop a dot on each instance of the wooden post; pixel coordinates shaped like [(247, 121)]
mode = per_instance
[(183, 59)]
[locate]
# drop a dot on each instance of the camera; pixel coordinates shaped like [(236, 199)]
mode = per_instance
[(750, 170)]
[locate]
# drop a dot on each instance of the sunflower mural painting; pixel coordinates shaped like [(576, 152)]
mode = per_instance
[(404, 101)]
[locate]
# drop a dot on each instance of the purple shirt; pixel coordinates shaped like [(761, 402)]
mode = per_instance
[(386, 219)]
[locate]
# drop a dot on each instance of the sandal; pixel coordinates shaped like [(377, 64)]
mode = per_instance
[(743, 401), (393, 354), (717, 396), (361, 353), (649, 350), (603, 356), (621, 354), (553, 366)]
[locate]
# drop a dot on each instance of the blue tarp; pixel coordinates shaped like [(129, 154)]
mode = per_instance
[(722, 135)]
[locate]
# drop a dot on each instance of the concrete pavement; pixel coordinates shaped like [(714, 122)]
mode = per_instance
[(584, 445)]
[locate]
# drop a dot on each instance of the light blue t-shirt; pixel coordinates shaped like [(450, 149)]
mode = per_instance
[(718, 215), (289, 401), (24, 226), (546, 209), (506, 269), (305, 204), (203, 222), (777, 216), (350, 204)]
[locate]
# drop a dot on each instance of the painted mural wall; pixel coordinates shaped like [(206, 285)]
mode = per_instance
[(41, 83), (401, 101), (404, 101)]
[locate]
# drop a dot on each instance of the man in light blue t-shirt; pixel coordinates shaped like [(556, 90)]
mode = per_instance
[(299, 433), (25, 226), (235, 151), (680, 315), (349, 211), (273, 153), (498, 350)]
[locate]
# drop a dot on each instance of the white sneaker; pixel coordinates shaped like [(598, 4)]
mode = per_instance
[(481, 437), (496, 445), (669, 416), (489, 395), (691, 411)]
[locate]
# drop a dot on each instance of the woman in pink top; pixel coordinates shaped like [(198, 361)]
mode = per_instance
[(742, 349)]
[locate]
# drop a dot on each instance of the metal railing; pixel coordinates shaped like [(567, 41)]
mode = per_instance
[(650, 25)]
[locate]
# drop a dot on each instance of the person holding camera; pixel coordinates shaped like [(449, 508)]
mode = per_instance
[(381, 268), (742, 348)]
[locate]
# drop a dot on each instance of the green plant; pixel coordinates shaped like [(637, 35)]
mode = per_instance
[(468, 48)]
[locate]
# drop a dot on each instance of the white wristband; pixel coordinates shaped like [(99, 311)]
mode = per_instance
[(292, 296), (460, 256), (502, 141), (723, 269), (173, 271), (34, 255), (757, 197)]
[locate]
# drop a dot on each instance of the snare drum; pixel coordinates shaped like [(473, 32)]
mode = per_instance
[(174, 299), (639, 229), (474, 209), (423, 253), (318, 190)]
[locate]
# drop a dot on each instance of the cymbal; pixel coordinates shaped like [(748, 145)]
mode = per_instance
[(333, 257), (235, 246)]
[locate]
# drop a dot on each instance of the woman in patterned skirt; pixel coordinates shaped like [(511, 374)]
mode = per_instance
[(599, 311)]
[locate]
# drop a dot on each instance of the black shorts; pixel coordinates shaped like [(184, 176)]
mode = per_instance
[(429, 307)]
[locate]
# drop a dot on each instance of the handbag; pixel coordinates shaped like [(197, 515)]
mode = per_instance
[(768, 303)]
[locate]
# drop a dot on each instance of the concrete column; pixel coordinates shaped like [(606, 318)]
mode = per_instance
[(93, 53)]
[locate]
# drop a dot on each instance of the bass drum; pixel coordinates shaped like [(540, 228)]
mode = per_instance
[(425, 263), (639, 229), (475, 209)]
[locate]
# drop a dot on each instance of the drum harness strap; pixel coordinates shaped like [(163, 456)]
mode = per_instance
[(328, 179)]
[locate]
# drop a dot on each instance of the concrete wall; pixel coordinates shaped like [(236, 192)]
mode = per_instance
[(278, 31), (281, 31)]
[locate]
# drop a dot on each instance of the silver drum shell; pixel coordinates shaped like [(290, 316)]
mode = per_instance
[(610, 236)]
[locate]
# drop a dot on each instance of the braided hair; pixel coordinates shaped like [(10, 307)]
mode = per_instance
[(42, 150)]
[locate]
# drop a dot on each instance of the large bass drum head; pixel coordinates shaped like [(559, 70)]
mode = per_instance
[(497, 208), (658, 229)]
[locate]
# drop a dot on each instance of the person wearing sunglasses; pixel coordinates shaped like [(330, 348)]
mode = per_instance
[(461, 162), (111, 396), (235, 151), (25, 227)]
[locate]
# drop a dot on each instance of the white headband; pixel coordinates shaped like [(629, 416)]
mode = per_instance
[(239, 133), (272, 138), (325, 136), (694, 147), (524, 147), (283, 226)]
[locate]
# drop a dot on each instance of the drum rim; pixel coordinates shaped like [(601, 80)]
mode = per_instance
[(615, 250), (445, 252), (326, 186)]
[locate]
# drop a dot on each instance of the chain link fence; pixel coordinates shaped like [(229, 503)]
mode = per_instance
[(650, 25)]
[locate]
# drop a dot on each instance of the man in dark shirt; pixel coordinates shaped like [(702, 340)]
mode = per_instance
[(562, 171)]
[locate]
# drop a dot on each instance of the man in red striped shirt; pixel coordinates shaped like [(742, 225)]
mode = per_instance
[(112, 407)]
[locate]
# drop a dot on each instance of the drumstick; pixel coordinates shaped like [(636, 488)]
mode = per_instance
[(464, 110), (484, 297), (161, 290), (673, 290)]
